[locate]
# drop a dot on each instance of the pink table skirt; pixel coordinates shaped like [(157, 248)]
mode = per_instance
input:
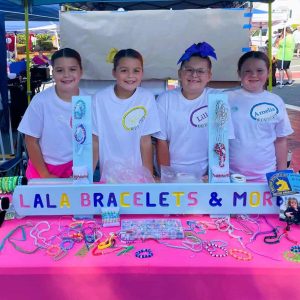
[(169, 274)]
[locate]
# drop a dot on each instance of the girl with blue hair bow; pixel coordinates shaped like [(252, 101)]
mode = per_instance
[(182, 142)]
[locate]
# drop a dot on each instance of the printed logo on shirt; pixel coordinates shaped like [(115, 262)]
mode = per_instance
[(264, 112), (199, 117), (133, 118)]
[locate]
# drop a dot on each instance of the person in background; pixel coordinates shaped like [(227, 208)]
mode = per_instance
[(260, 120), (292, 212), (182, 142), (125, 115), (40, 59), (47, 120), (285, 53), (296, 35)]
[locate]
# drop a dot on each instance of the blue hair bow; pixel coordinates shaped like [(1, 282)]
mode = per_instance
[(203, 49)]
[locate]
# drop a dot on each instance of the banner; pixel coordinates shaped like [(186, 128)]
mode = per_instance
[(157, 198)]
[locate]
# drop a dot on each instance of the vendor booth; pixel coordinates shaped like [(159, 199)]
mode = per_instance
[(75, 239)]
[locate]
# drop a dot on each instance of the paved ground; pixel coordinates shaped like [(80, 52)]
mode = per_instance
[(291, 96)]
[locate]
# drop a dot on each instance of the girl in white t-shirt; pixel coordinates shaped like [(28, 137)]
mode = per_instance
[(182, 142), (125, 115), (47, 120), (260, 120)]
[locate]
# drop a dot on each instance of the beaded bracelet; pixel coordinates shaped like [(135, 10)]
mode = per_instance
[(292, 256), (211, 248), (67, 244), (240, 254), (53, 250), (148, 253), (295, 248)]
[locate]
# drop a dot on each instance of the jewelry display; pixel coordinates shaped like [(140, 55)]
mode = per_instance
[(218, 139), (79, 109), (110, 216), (82, 140), (8, 184), (221, 152), (151, 228), (80, 134)]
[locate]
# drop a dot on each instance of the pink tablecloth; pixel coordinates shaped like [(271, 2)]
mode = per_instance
[(169, 274)]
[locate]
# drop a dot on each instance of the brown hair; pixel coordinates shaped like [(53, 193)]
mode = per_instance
[(292, 199), (253, 54), (131, 53), (66, 52)]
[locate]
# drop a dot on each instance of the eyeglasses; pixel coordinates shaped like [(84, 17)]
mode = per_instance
[(190, 71)]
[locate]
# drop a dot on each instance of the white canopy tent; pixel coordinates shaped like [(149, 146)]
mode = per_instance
[(35, 26)]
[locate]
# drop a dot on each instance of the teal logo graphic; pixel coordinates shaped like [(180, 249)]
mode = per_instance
[(263, 112)]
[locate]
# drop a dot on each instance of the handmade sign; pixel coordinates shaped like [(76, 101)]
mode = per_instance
[(152, 198), (294, 181), (218, 149), (82, 139)]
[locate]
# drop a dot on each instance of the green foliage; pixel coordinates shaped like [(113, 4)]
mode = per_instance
[(21, 39), (45, 45), (43, 37)]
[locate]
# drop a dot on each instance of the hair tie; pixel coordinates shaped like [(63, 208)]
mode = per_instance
[(203, 49), (111, 55)]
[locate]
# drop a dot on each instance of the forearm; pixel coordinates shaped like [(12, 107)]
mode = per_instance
[(281, 153), (163, 154), (147, 152), (36, 156)]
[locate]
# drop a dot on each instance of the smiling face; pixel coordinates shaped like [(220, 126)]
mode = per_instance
[(194, 75), (294, 203), (66, 74), (128, 74), (254, 74)]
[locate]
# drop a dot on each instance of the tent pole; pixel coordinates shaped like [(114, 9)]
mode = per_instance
[(270, 43), (27, 51)]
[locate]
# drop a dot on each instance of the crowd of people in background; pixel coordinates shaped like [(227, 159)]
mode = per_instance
[(284, 44)]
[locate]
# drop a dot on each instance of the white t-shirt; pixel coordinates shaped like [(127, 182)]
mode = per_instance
[(48, 118), (184, 124), (120, 124), (258, 120)]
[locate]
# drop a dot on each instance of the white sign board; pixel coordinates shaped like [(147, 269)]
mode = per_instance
[(161, 36)]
